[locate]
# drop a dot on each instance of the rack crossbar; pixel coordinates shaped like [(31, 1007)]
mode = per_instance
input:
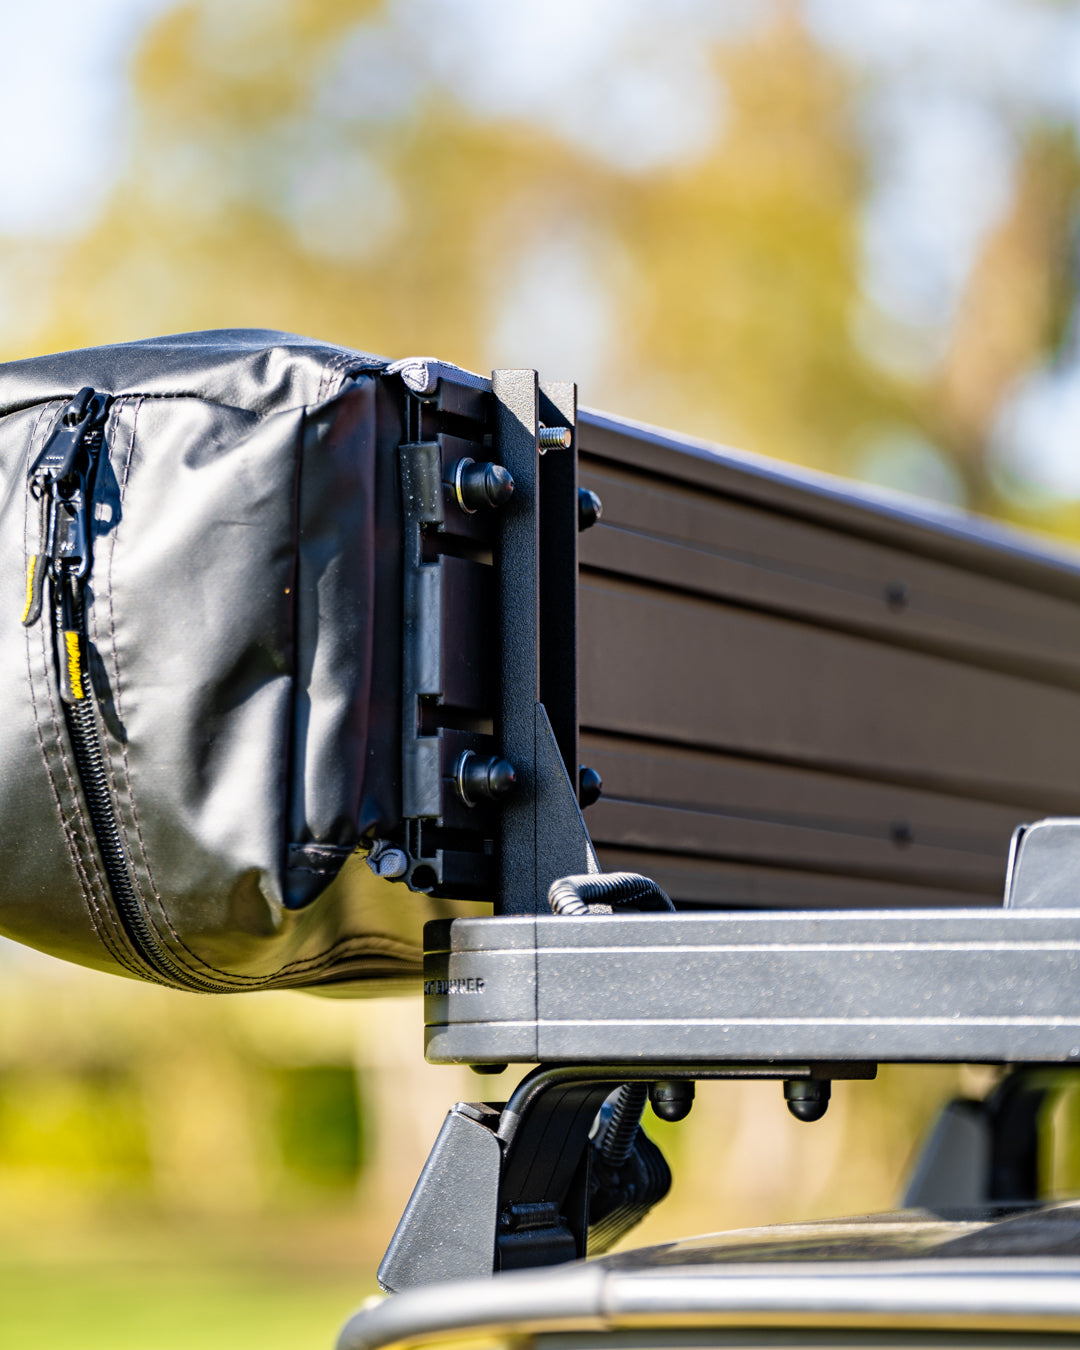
[(915, 986)]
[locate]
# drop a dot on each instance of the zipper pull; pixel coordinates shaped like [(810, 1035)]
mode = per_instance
[(70, 531), (36, 566), (60, 453), (61, 480)]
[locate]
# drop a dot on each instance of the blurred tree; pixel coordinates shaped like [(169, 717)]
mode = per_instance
[(747, 265), (320, 1124), (1017, 308), (716, 294), (731, 279)]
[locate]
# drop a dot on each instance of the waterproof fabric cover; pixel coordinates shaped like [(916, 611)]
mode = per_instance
[(241, 634)]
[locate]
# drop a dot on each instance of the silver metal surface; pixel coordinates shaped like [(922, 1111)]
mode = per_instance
[(910, 986), (1044, 866), (996, 1293), (554, 438)]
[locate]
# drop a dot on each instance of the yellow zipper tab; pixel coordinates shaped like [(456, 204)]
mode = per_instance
[(73, 690), (35, 582)]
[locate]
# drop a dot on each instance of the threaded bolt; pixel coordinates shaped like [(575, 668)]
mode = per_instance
[(555, 438)]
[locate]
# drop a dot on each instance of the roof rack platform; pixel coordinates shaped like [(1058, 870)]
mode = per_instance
[(964, 986)]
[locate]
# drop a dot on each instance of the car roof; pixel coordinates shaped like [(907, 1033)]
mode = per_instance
[(984, 1271), (1001, 1230)]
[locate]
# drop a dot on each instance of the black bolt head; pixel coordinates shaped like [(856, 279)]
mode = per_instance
[(672, 1100), (590, 786), (500, 777), (589, 509), (478, 779), (807, 1098), (484, 487)]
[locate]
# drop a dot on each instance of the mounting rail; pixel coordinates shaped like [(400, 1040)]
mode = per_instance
[(961, 986)]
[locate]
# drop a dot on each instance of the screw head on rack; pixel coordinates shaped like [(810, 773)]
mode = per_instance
[(589, 509), (477, 779), (481, 486), (807, 1098), (590, 786), (672, 1100)]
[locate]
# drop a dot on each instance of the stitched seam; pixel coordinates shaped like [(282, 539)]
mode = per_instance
[(115, 419), (351, 359), (83, 826), (324, 376), (98, 920), (319, 958), (325, 958), (328, 372), (120, 405), (115, 412), (322, 381), (336, 372), (351, 367), (89, 898), (321, 961), (76, 861), (337, 369), (98, 915), (147, 910)]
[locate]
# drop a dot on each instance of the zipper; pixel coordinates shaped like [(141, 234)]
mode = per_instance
[(61, 480)]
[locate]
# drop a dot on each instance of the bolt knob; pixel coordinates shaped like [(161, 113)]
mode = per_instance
[(590, 786), (807, 1098), (672, 1100), (589, 509), (481, 487), (478, 779)]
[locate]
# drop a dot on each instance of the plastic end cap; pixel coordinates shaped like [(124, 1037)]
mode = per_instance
[(672, 1100), (589, 509), (590, 786), (807, 1098)]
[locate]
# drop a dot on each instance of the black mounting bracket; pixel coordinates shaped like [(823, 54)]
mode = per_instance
[(510, 1186), (490, 518)]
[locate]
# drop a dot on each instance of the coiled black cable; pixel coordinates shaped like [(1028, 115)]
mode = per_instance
[(620, 1133), (596, 893), (575, 896)]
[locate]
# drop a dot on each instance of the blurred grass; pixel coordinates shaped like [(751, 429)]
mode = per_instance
[(128, 1307), (139, 1283), (176, 1170)]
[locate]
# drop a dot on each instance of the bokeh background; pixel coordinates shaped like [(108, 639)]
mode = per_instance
[(839, 233)]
